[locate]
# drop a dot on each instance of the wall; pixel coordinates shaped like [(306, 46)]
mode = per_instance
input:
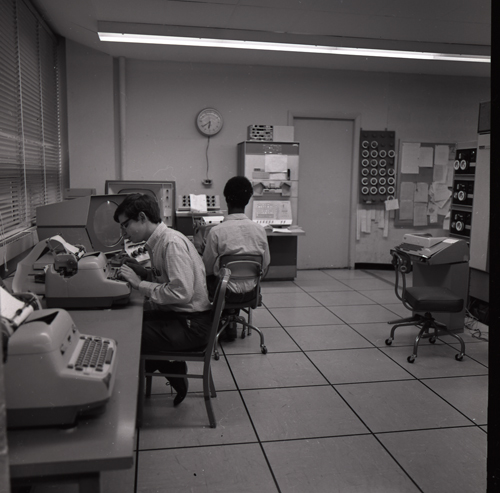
[(162, 100)]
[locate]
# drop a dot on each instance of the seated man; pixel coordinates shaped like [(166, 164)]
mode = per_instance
[(237, 234), (177, 315)]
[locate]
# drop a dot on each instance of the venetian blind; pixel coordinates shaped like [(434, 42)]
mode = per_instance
[(30, 147)]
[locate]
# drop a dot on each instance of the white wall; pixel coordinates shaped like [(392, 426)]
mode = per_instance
[(163, 99)]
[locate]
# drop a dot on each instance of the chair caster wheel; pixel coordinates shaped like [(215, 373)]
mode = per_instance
[(432, 340), (411, 358), (388, 342), (243, 334), (459, 357), (216, 356), (264, 350)]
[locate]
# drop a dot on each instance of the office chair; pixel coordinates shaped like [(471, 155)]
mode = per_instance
[(423, 299), (242, 267), (204, 355)]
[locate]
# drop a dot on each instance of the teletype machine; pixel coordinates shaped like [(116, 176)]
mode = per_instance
[(53, 373), (69, 277), (440, 262)]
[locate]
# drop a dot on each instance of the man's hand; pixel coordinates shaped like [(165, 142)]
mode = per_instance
[(129, 275), (136, 267)]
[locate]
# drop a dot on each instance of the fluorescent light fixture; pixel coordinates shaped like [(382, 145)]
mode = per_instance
[(296, 48)]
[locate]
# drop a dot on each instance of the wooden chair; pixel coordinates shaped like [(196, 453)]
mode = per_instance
[(204, 356), (423, 299)]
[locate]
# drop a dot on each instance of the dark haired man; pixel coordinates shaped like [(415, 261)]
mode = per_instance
[(177, 314), (237, 234)]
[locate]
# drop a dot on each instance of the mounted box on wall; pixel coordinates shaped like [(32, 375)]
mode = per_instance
[(270, 133)]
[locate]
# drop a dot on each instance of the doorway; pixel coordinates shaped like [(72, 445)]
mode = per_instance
[(324, 195)]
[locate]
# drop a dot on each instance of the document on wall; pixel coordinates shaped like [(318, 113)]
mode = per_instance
[(441, 154), (421, 192), (440, 173), (198, 202), (406, 196), (426, 157), (410, 157), (420, 214)]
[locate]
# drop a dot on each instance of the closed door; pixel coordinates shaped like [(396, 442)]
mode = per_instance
[(324, 197)]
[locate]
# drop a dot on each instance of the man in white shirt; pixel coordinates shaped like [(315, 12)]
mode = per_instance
[(177, 314), (237, 234)]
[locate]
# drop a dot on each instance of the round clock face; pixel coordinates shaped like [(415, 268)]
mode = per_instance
[(209, 121)]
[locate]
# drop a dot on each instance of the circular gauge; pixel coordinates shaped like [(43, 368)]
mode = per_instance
[(373, 190), (382, 171), (382, 153), (463, 164), (365, 144), (456, 164), (390, 197), (373, 181), (374, 172), (364, 181), (374, 153), (461, 196), (390, 171), (365, 153), (383, 162), (391, 180), (391, 153), (390, 190), (382, 181), (365, 162), (365, 172), (374, 162), (381, 190), (365, 190), (459, 225), (374, 144), (209, 122)]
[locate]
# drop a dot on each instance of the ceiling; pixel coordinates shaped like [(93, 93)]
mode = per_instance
[(445, 26)]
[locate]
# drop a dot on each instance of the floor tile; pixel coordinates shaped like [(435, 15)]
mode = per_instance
[(399, 406), (348, 274), (355, 464), (442, 461), (261, 317), (398, 309), (336, 298), (467, 394), (478, 352), (315, 315), (367, 284), (234, 468), (377, 333), (435, 360), (300, 412), (356, 365), (275, 340), (311, 274), (253, 371), (279, 287), (286, 300), (315, 337), (187, 425), (381, 296), (362, 313), (317, 286)]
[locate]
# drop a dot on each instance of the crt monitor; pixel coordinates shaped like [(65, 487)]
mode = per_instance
[(162, 191), (86, 221)]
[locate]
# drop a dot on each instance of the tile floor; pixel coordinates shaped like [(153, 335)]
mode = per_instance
[(330, 408)]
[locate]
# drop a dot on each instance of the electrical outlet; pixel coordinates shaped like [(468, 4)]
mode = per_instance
[(207, 183)]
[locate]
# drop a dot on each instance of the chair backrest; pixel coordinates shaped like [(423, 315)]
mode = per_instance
[(243, 266), (218, 304), (402, 266)]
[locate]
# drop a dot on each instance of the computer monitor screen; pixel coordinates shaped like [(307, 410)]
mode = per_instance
[(162, 191), (86, 221)]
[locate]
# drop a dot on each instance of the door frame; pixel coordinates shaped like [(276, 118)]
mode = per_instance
[(356, 119)]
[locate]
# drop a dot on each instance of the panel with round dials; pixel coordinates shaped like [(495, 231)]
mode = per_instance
[(377, 170)]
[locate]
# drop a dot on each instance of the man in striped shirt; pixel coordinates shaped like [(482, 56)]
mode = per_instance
[(177, 313)]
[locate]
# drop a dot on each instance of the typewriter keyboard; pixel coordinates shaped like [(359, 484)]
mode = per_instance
[(92, 353)]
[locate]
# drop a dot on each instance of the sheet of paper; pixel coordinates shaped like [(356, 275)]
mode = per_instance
[(446, 222), (421, 192), (386, 224), (198, 202), (440, 192), (69, 248), (440, 173), (276, 163), (441, 154), (426, 157), (406, 210), (391, 205), (410, 158), (13, 309), (407, 190), (420, 214)]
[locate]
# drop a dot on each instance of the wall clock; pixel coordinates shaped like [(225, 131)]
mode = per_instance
[(209, 121)]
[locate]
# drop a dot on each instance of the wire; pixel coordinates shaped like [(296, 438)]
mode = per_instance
[(206, 155), (472, 323)]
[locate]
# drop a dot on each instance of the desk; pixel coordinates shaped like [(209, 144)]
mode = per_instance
[(283, 249), (105, 442)]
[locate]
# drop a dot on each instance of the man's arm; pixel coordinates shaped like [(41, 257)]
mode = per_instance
[(210, 253)]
